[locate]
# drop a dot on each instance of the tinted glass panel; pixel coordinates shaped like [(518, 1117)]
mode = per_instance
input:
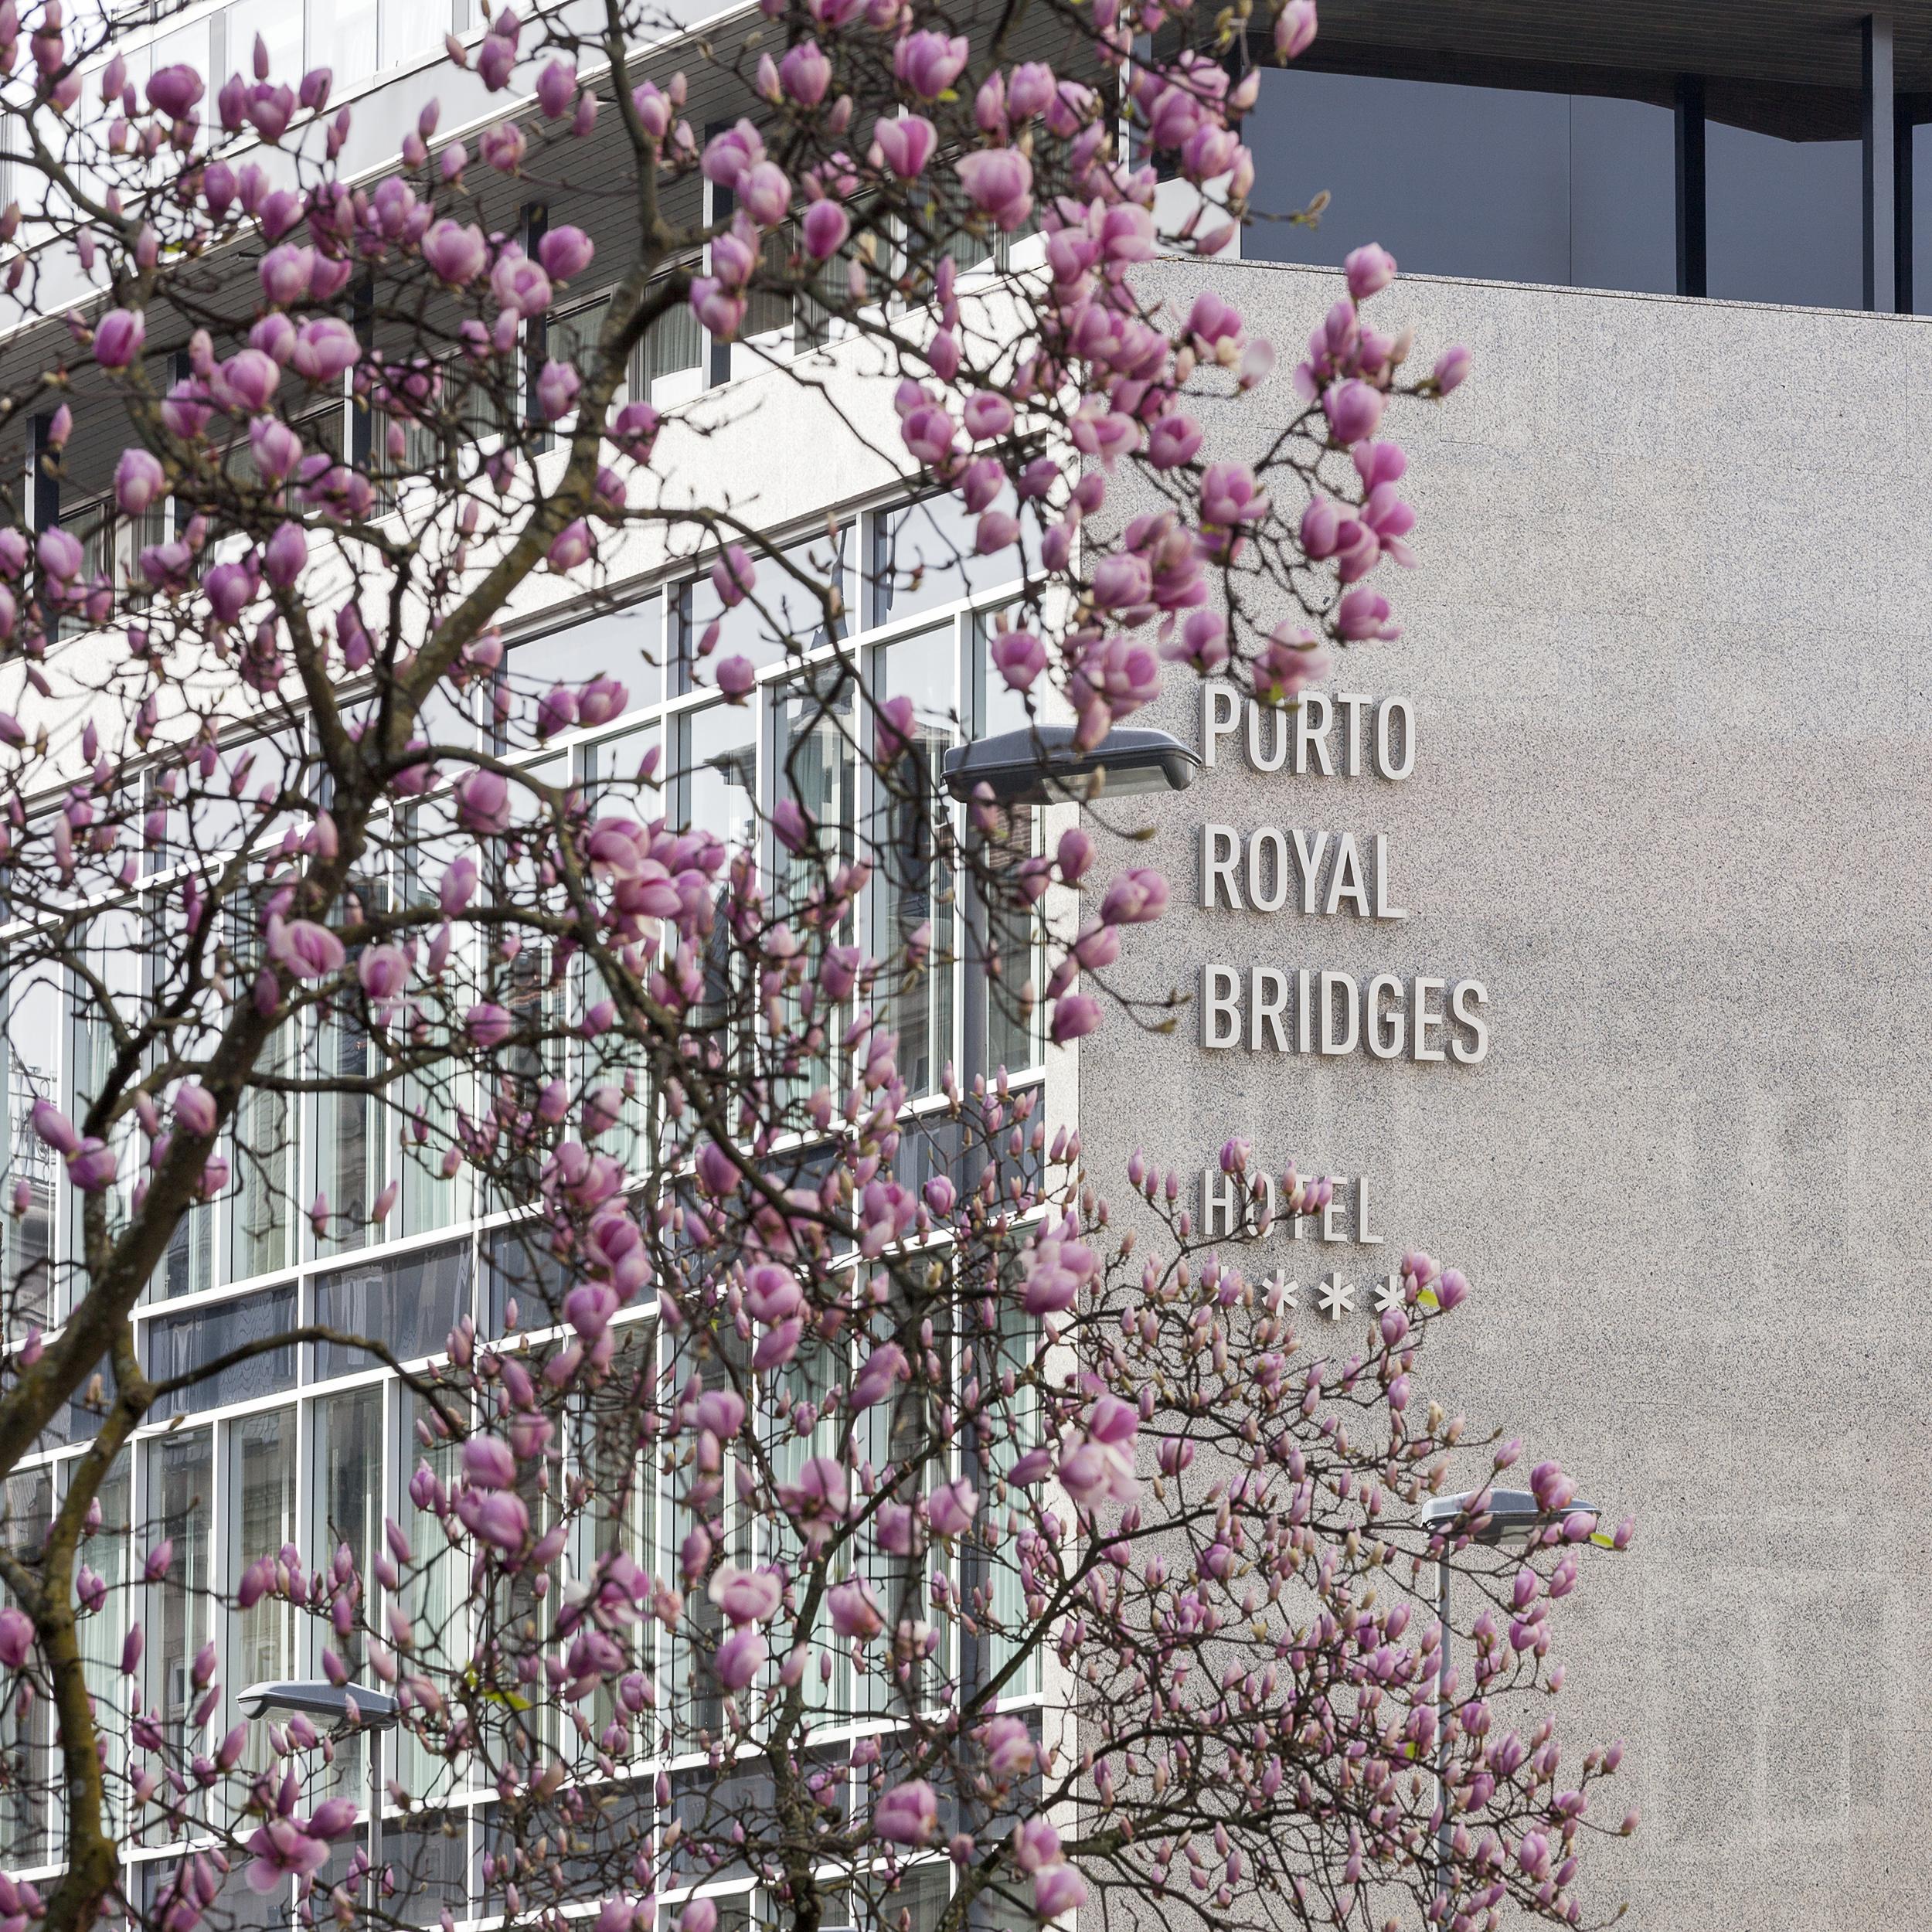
[(1786, 217), (188, 1341), (411, 1303), (1547, 187)]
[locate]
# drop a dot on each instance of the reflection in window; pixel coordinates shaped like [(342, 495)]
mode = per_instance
[(182, 1343), (410, 1301), (783, 616), (435, 1595), (349, 1509), (180, 1497), (1012, 1353), (673, 344), (347, 29), (925, 555), (1569, 189), (921, 1898), (718, 772), (348, 1455), (349, 1150), (1783, 219), (914, 885), (1013, 1039), (101, 1634), (264, 1195), (627, 644), (26, 1734), (34, 1028), (816, 769), (261, 1479)]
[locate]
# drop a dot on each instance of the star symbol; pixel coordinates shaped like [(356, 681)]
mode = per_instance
[(1337, 1298), (1282, 1292), (1388, 1293)]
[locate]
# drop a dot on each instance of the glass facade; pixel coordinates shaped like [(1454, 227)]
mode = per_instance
[(1503, 182), (309, 1446), (1493, 178), (1783, 218)]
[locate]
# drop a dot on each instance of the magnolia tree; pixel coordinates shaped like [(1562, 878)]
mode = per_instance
[(1006, 1536)]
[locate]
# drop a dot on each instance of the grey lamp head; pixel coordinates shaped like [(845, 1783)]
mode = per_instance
[(375, 1710), (1040, 765), (1507, 1515)]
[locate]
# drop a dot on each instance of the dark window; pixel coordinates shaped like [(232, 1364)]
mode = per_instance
[(410, 1302), (1786, 217), (185, 1342), (1507, 183)]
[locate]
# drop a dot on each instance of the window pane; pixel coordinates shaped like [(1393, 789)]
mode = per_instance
[(348, 1506), (817, 767), (1508, 153), (1570, 188), (348, 1454), (996, 707), (626, 644), (672, 344), (279, 24), (410, 1302), (914, 883), (263, 1203), (782, 617), (413, 27), (1785, 221), (348, 1152), (26, 1732), (349, 29), (573, 338), (923, 555), (717, 771), (261, 1481), (181, 1343), (33, 1073), (434, 1595), (1623, 194), (180, 1498), (1012, 1038), (106, 1553)]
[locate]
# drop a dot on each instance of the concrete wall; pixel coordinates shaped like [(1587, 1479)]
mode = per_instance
[(1671, 645)]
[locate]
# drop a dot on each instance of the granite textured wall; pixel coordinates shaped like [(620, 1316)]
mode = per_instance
[(1671, 647)]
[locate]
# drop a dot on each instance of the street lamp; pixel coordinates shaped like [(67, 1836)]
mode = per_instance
[(374, 1712), (1041, 765), (1495, 1516)]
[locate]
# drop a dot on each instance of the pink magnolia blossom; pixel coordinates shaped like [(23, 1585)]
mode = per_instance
[(999, 182), (746, 1596), (904, 145), (854, 1610), (457, 253), (1295, 30), (805, 74), (825, 226), (740, 1658), (928, 64), (907, 1813), (565, 253), (521, 285), (307, 950), (139, 480), (118, 337), (16, 1637)]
